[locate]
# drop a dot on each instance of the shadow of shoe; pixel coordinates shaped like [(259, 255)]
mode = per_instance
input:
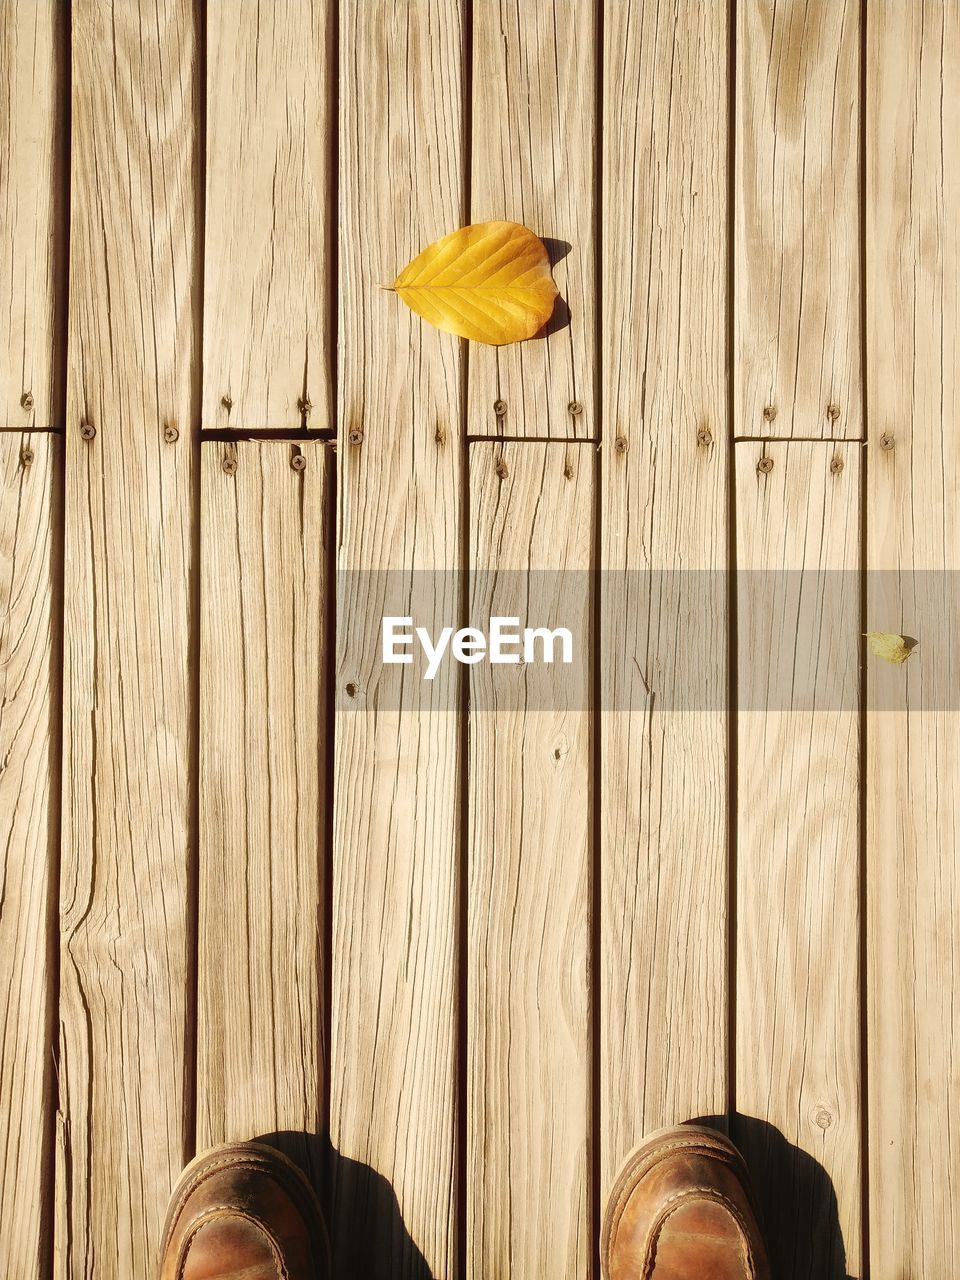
[(795, 1199), (368, 1237)]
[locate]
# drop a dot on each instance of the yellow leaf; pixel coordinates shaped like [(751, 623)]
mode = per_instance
[(889, 647), (489, 282)]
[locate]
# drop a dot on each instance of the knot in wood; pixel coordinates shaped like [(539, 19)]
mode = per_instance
[(226, 402), (304, 404), (822, 1117)]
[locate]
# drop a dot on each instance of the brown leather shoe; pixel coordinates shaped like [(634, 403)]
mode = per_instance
[(244, 1211), (680, 1210)]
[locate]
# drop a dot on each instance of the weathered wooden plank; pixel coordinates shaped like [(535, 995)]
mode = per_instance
[(797, 306), (397, 802), (913, 550), (267, 354), (798, 846), (533, 161), (528, 963), (28, 835), (263, 761), (32, 197), (127, 725), (663, 658)]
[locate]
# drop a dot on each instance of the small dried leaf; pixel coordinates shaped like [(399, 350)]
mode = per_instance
[(890, 647), (489, 282)]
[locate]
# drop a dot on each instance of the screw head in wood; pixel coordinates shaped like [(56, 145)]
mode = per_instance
[(769, 412), (704, 436), (227, 402), (620, 444), (355, 436), (501, 469), (765, 465), (26, 456), (171, 434), (499, 407), (836, 466), (575, 407), (87, 430), (229, 465), (26, 400), (833, 412), (298, 462), (886, 441)]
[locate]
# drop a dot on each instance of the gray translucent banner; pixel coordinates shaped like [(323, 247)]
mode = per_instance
[(652, 642)]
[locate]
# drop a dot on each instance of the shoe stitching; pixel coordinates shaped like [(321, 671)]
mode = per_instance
[(224, 1211), (627, 1181), (254, 1161), (673, 1202)]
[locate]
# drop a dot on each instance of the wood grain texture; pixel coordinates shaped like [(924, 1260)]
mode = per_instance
[(28, 835), (127, 724), (397, 795), (533, 161), (797, 309), (913, 729), (32, 207), (266, 340), (263, 761), (798, 846), (528, 948), (663, 658)]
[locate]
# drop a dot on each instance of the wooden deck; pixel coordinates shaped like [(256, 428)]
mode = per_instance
[(456, 946)]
